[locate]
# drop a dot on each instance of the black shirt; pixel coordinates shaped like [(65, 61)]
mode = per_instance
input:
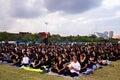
[(60, 65), (47, 62), (83, 63), (1, 56)]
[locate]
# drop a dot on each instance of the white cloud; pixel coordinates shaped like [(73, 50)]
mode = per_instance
[(31, 15), (109, 4)]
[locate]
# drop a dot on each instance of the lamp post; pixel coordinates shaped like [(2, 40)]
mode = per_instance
[(46, 23), (46, 34)]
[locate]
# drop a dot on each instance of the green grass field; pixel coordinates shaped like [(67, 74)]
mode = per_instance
[(111, 72)]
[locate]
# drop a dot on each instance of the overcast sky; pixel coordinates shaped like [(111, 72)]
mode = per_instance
[(64, 17)]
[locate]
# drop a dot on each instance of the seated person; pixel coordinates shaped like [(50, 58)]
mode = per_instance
[(47, 62), (31, 56), (59, 66), (8, 58), (92, 63), (83, 61), (13, 57), (65, 58), (74, 67), (103, 60), (1, 57), (112, 57), (25, 60), (16, 61), (117, 54), (37, 62)]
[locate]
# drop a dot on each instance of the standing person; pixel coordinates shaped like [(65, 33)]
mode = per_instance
[(74, 67)]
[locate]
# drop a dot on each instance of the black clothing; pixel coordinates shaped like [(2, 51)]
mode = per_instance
[(83, 65), (47, 63)]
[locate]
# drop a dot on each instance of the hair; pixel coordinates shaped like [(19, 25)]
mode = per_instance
[(75, 57)]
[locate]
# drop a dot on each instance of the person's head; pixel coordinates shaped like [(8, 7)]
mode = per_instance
[(82, 56), (92, 57), (36, 55), (12, 53), (51, 53), (46, 57), (25, 55), (64, 56), (56, 54), (73, 53), (60, 58), (75, 59)]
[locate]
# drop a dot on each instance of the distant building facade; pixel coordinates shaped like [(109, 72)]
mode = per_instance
[(105, 35), (24, 33), (44, 34), (101, 35), (110, 34)]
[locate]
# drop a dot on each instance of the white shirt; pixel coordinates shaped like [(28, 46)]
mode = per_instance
[(76, 66), (25, 60)]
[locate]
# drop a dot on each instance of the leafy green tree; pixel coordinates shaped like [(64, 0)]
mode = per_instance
[(1, 39), (4, 35), (28, 37)]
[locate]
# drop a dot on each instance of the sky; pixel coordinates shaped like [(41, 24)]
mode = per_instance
[(64, 17)]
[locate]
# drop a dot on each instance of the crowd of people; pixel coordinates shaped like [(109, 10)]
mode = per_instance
[(71, 59)]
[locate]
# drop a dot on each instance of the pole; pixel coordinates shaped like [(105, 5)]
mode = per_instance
[(46, 25)]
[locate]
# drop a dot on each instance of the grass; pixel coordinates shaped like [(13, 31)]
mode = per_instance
[(111, 72)]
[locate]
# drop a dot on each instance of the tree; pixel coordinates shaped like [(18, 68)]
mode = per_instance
[(4, 35), (113, 40), (28, 37), (1, 39)]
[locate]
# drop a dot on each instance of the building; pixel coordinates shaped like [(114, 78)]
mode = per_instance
[(44, 34), (101, 35), (24, 33), (106, 32), (110, 34), (105, 35)]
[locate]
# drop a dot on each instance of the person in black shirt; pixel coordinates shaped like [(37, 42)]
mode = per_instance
[(47, 62), (117, 54), (92, 63), (1, 56), (103, 59), (55, 60), (65, 58), (16, 61), (37, 62), (112, 57), (51, 56), (31, 56), (13, 57), (83, 61), (59, 67)]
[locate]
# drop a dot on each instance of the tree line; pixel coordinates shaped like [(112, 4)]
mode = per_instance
[(5, 36)]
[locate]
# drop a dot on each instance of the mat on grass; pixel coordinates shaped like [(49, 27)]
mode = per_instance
[(31, 69), (68, 77)]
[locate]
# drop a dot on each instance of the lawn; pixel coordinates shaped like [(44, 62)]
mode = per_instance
[(111, 72)]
